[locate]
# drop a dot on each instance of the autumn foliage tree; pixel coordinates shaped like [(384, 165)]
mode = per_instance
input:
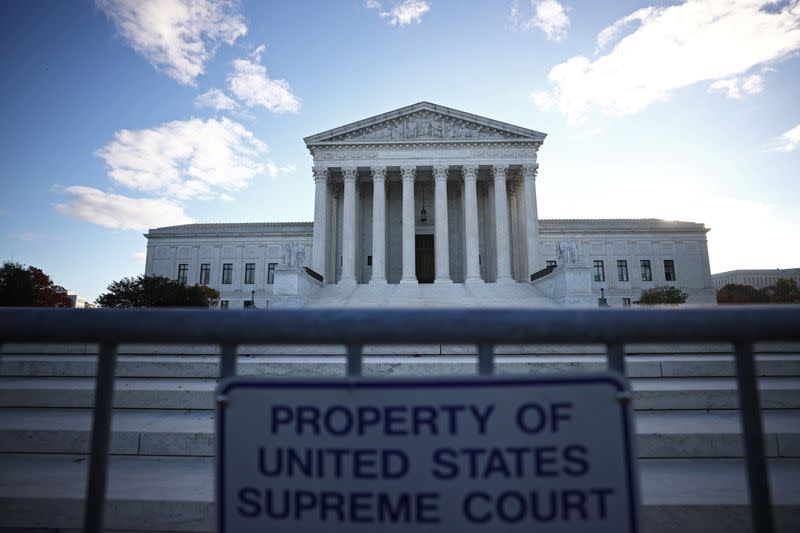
[(785, 291), (734, 293), (156, 291), (30, 287)]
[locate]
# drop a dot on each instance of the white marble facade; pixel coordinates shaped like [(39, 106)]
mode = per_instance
[(428, 194), (467, 182)]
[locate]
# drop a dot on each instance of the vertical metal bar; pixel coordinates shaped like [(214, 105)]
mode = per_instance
[(750, 409), (616, 357), (354, 360), (485, 359), (227, 362), (101, 435)]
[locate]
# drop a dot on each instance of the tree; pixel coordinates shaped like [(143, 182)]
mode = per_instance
[(662, 295), (733, 293), (30, 287), (785, 291), (156, 291)]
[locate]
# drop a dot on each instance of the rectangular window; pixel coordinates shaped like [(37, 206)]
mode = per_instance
[(599, 271), (183, 271), (622, 269), (647, 273), (205, 273), (223, 304), (369, 260), (626, 302), (271, 273), (227, 273), (669, 270), (249, 273), (248, 304), (551, 263)]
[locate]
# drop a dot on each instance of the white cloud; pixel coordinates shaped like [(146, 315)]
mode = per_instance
[(407, 12), (547, 15), (185, 159), (120, 212), (177, 36), (216, 99), (372, 4), (273, 170), (250, 84), (609, 34), (738, 87), (139, 257), (674, 47), (788, 141)]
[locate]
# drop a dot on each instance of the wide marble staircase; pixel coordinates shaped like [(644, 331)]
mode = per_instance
[(427, 296), (161, 469)]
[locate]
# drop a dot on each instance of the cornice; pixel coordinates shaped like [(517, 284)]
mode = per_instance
[(235, 229), (620, 225)]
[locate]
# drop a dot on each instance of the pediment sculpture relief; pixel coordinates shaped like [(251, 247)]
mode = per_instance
[(424, 126)]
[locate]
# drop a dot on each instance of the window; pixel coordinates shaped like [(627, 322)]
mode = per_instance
[(626, 302), (271, 273), (249, 273), (369, 260), (224, 304), (205, 273), (183, 270), (248, 304), (227, 273), (647, 274), (551, 264), (622, 269), (669, 270), (599, 271)]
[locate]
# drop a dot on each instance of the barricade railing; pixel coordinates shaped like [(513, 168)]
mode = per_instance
[(484, 329)]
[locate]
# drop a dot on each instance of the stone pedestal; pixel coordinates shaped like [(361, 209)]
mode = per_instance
[(569, 285)]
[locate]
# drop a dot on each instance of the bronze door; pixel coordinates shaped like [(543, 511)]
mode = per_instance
[(426, 270)]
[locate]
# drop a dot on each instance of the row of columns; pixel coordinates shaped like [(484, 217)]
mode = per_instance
[(441, 239)]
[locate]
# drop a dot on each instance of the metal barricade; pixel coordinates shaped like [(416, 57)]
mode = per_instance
[(355, 328)]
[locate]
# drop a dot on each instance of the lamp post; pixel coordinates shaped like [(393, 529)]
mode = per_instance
[(602, 302), (253, 299)]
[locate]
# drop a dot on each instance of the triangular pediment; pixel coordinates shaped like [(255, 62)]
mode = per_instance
[(424, 122)]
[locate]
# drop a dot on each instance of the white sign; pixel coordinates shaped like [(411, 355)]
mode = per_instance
[(483, 454)]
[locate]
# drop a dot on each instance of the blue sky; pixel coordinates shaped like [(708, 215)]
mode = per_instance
[(119, 115)]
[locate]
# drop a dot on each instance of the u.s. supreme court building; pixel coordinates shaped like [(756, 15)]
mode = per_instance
[(431, 206)]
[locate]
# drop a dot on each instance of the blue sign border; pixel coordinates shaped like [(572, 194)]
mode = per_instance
[(423, 382)]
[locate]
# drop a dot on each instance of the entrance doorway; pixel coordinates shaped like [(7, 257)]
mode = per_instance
[(425, 259)]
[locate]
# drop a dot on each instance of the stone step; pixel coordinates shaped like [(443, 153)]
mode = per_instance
[(191, 433), (177, 494), (181, 393), (199, 366)]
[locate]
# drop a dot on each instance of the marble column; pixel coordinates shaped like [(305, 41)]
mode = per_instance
[(514, 248), (319, 244), (501, 224), (471, 249), (378, 226), (531, 218), (441, 234), (350, 175), (409, 226)]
